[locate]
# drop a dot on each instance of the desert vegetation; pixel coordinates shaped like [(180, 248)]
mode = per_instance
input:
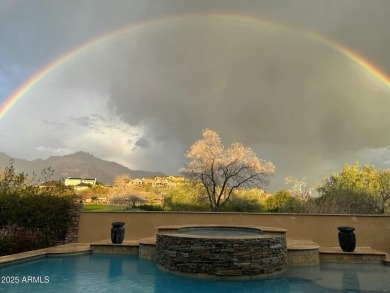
[(31, 217), (232, 179)]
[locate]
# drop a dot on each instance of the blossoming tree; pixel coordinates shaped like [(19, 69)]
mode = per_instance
[(223, 170)]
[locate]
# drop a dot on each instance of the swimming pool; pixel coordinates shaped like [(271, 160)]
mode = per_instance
[(128, 273)]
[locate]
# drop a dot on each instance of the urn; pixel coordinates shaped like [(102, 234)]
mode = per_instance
[(117, 232), (347, 238)]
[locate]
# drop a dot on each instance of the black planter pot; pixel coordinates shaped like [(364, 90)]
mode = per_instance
[(347, 238), (117, 232)]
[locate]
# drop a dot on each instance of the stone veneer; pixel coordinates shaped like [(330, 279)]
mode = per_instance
[(216, 256), (147, 248), (303, 257), (72, 233)]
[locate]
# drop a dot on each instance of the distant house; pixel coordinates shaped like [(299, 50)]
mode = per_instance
[(138, 181), (71, 181), (82, 186), (79, 184), (169, 181), (49, 185), (91, 181)]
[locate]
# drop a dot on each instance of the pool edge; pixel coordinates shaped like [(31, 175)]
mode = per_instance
[(61, 250)]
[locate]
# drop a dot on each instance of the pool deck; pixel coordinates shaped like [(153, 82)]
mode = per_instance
[(300, 252), (67, 249)]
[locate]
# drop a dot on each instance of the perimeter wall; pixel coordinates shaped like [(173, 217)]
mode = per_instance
[(371, 230)]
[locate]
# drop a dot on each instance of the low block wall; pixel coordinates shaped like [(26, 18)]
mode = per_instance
[(371, 230)]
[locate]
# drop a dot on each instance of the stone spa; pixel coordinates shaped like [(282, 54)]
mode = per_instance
[(221, 251)]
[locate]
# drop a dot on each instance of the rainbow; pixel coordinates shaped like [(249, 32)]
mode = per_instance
[(363, 63), (247, 19)]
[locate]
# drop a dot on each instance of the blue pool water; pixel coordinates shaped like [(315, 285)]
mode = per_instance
[(128, 273)]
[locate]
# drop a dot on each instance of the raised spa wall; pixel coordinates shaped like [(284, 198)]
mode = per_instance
[(222, 256)]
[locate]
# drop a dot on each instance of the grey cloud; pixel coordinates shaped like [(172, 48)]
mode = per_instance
[(51, 123), (86, 121), (92, 121), (250, 85), (253, 86), (143, 142), (98, 117)]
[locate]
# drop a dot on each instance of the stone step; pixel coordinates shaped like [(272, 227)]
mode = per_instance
[(302, 252), (359, 255)]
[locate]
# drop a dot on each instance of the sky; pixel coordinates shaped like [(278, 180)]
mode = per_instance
[(304, 83)]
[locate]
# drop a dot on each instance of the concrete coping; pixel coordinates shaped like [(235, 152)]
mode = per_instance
[(250, 232), (263, 228), (357, 251), (293, 244), (66, 249), (148, 241), (109, 242)]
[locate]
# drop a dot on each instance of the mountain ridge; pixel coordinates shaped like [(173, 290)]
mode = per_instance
[(79, 164)]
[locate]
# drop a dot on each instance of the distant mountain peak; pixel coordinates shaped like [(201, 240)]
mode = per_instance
[(79, 164), (79, 154)]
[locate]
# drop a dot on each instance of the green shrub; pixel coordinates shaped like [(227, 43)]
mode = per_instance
[(150, 207), (33, 221), (30, 217), (185, 197), (239, 204), (280, 202), (5, 244)]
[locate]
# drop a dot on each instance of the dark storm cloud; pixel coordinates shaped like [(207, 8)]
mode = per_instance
[(296, 101), (143, 142), (249, 84)]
